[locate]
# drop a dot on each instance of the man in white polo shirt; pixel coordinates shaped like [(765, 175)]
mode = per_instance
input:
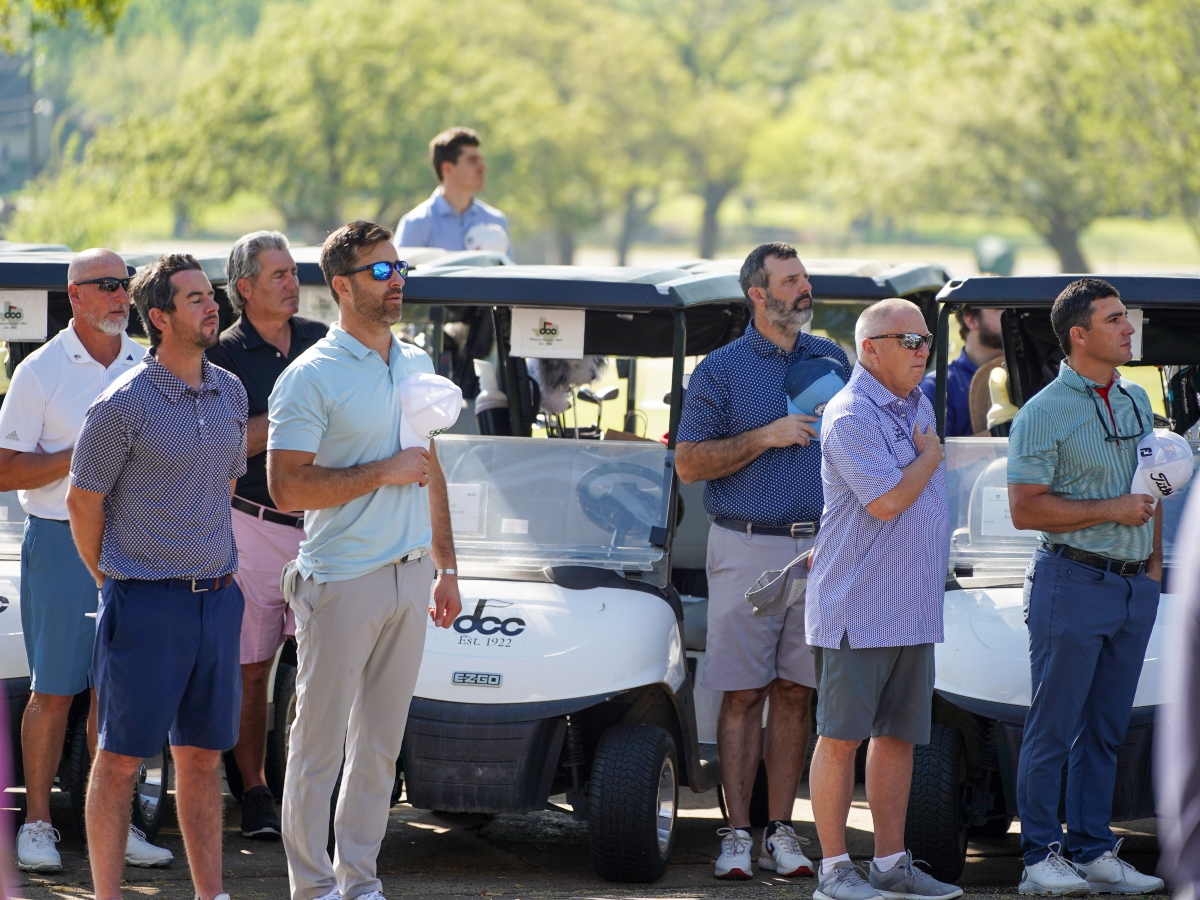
[(50, 393)]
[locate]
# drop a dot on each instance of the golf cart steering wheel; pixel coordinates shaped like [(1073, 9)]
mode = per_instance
[(621, 497)]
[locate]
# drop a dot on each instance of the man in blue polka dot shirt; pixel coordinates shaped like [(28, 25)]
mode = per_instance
[(763, 472)]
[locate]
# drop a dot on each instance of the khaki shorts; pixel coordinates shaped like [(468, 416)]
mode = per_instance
[(875, 691), (744, 651)]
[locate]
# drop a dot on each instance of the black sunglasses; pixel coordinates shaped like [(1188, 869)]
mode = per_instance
[(382, 271), (107, 285), (909, 341), (1108, 435)]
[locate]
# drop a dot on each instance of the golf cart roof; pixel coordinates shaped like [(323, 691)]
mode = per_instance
[(46, 270), (850, 279), (1041, 290)]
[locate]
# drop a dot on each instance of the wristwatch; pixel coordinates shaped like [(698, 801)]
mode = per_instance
[(446, 571)]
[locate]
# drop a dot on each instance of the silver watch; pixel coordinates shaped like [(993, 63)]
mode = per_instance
[(446, 571)]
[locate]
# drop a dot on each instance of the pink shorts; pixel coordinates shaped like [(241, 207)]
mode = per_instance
[(264, 548)]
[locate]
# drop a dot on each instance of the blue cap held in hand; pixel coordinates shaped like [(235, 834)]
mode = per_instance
[(811, 383)]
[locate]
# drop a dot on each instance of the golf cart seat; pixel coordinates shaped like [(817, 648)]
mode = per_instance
[(695, 623)]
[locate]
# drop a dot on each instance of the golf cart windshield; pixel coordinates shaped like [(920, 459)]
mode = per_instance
[(525, 505), (12, 525)]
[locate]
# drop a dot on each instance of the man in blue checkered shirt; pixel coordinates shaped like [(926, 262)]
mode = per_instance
[(762, 468)]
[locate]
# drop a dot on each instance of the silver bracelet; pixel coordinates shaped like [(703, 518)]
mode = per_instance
[(446, 571)]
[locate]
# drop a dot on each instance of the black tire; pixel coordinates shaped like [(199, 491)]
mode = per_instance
[(150, 793), (760, 801), (79, 766), (633, 802), (233, 775), (936, 827), (279, 737)]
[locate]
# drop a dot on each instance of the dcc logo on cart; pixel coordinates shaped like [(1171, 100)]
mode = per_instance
[(13, 313), (496, 630)]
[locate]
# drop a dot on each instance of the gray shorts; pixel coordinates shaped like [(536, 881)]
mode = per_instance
[(744, 651), (874, 691)]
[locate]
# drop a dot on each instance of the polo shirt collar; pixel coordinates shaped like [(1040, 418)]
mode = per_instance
[(131, 352), (442, 206), (865, 383), (251, 339), (765, 348), (171, 387), (353, 345), (1077, 382)]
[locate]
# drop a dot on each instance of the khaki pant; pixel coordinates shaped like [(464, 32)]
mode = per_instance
[(359, 649)]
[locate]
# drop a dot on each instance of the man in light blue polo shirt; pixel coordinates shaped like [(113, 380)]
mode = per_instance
[(1091, 592), (452, 218), (377, 520)]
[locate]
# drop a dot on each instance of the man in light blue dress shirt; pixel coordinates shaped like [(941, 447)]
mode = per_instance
[(452, 218)]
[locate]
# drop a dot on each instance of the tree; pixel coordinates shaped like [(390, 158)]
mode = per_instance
[(19, 18)]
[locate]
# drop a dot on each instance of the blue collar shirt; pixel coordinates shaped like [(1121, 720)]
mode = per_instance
[(740, 387), (881, 584), (340, 400), (959, 374), (435, 223)]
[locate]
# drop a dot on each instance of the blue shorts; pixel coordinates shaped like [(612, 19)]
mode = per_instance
[(57, 593), (168, 661)]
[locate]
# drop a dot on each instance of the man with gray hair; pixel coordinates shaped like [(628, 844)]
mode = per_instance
[(263, 288), (874, 600)]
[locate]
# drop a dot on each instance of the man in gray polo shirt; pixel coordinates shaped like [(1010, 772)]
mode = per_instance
[(874, 604), (377, 520)]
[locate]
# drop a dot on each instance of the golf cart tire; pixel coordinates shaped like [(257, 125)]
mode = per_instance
[(79, 766), (277, 737), (760, 807), (936, 829), (630, 766), (150, 801)]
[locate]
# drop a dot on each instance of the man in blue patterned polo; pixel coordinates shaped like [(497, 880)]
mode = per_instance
[(875, 594), (762, 466), (151, 478), (1091, 592)]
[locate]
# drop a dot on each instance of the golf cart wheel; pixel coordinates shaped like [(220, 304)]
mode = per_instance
[(632, 803), (760, 809), (936, 828), (79, 766), (279, 737), (150, 797)]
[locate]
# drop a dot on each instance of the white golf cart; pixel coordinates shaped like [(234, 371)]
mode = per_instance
[(964, 780)]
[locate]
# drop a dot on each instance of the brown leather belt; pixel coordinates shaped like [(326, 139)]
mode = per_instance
[(266, 513), (1096, 561), (195, 585)]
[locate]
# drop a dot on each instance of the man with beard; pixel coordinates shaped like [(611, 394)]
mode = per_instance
[(763, 468), (50, 393), (377, 520), (265, 339), (151, 479), (980, 331)]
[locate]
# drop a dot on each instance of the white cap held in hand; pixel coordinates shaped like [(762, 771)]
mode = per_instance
[(1164, 464), (429, 405)]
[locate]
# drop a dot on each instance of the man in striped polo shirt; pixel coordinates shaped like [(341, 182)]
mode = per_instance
[(1091, 592)]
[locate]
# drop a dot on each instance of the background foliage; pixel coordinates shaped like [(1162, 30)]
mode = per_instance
[(1059, 113)]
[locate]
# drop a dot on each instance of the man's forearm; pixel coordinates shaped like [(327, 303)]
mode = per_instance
[(256, 434), (706, 460), (913, 479), (439, 513), (1050, 513), (27, 471), (316, 487), (86, 511)]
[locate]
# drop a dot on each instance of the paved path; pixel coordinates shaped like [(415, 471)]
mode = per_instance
[(543, 855)]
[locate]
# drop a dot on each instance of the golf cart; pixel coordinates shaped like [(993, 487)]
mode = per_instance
[(964, 779), (574, 668)]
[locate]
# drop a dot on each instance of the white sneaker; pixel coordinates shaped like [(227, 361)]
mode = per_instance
[(35, 848), (781, 853), (734, 861), (373, 895), (1053, 877), (1106, 874), (143, 854), (335, 894)]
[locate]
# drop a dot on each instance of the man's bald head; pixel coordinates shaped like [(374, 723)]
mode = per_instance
[(885, 317), (96, 263)]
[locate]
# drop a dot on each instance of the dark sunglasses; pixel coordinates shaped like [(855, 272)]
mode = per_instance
[(382, 271), (1118, 437), (909, 341), (107, 285)]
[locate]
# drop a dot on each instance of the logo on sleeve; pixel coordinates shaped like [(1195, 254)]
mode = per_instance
[(12, 436)]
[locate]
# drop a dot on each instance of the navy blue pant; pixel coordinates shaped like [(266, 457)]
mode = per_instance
[(1088, 631)]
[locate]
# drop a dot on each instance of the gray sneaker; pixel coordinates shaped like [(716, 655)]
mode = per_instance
[(844, 882), (904, 881)]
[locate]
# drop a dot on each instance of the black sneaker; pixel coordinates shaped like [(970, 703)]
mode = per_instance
[(260, 818)]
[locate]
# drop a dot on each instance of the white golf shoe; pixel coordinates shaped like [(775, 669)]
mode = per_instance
[(781, 853), (1053, 877), (1107, 874), (35, 848), (734, 861), (143, 854)]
